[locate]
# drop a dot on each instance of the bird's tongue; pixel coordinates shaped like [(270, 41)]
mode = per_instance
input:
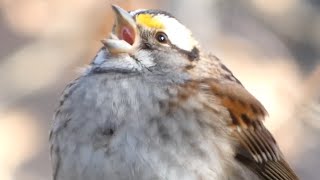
[(127, 34)]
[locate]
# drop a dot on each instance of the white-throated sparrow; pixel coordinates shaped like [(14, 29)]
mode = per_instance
[(152, 105)]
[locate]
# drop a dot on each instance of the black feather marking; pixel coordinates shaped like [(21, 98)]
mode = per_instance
[(191, 55), (153, 12)]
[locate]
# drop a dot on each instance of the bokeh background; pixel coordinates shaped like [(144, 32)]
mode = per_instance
[(272, 46)]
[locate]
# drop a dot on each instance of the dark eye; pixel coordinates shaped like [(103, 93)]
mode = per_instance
[(161, 37)]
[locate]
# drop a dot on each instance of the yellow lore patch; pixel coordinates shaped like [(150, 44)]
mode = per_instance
[(149, 21)]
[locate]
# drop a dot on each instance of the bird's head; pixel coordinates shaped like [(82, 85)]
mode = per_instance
[(152, 37)]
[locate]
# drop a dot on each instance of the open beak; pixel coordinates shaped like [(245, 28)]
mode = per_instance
[(124, 34)]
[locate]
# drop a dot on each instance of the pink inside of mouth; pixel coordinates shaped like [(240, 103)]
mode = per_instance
[(127, 34)]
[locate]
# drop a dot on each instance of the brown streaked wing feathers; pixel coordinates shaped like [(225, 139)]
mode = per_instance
[(257, 148)]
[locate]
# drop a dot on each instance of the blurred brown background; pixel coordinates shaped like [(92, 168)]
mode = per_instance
[(272, 46)]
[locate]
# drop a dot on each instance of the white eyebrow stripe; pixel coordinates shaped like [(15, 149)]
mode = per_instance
[(177, 33)]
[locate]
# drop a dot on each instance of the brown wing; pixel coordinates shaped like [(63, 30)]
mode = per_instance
[(257, 150)]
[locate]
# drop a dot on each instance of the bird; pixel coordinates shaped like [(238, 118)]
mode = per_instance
[(153, 105)]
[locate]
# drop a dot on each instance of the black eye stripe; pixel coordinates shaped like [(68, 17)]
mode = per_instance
[(191, 55)]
